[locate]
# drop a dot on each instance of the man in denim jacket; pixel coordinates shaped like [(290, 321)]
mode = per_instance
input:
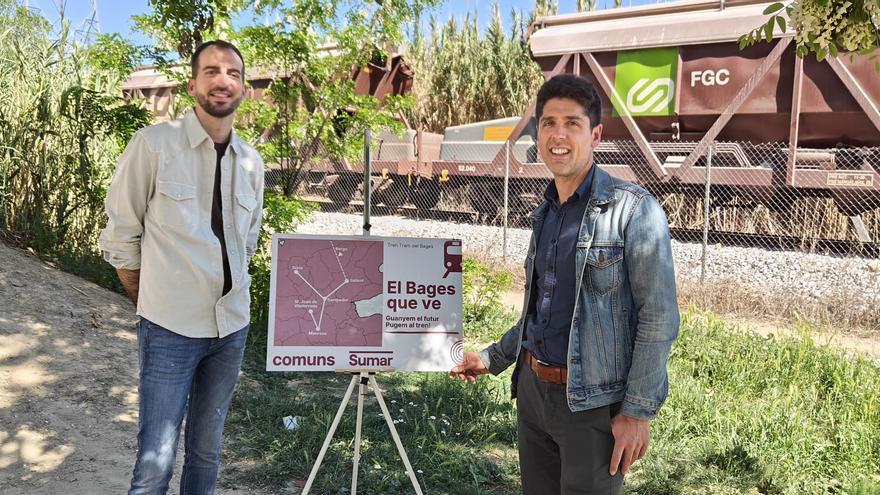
[(599, 313)]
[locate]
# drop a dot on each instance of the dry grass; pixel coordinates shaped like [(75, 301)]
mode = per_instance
[(844, 312)]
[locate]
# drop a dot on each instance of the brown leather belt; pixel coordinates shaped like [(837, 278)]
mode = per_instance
[(546, 372)]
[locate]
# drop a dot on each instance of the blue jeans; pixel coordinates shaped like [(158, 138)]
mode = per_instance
[(172, 368)]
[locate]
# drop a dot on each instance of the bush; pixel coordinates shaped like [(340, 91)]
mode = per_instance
[(485, 317), (280, 215), (63, 123)]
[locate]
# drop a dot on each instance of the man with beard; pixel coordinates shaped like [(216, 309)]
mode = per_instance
[(184, 211)]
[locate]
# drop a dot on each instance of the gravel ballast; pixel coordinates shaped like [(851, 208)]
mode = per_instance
[(812, 276)]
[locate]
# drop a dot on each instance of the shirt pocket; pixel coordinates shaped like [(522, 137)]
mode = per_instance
[(176, 205), (603, 268), (244, 211)]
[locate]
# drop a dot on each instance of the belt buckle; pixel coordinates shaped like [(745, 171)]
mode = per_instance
[(547, 366), (531, 357)]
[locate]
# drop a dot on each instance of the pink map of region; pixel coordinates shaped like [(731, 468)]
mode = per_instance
[(329, 293)]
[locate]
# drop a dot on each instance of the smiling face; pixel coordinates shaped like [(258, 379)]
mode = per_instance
[(566, 140), (218, 84)]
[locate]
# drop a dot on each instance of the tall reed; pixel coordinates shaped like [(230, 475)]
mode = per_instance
[(63, 123), (464, 76)]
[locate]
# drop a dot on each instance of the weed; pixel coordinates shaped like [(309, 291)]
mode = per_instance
[(485, 318)]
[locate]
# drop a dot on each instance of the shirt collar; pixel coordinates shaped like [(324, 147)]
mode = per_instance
[(197, 135), (583, 190)]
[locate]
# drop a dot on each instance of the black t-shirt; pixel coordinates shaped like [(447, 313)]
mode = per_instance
[(217, 218)]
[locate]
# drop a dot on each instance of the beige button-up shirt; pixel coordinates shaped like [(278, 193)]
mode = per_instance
[(159, 221)]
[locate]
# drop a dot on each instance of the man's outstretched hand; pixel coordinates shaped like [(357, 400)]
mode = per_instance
[(470, 369)]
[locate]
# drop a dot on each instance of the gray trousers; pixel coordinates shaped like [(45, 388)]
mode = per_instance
[(561, 452)]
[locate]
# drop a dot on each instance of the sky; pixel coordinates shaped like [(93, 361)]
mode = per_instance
[(114, 16)]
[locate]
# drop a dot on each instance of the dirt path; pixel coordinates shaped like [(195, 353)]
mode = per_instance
[(68, 383)]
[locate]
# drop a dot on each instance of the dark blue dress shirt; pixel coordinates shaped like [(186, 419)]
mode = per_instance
[(553, 291)]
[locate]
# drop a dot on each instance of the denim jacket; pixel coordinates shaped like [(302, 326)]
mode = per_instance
[(626, 314)]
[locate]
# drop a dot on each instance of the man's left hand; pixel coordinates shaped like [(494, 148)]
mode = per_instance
[(631, 437)]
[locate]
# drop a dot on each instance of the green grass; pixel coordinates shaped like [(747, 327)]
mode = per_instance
[(484, 316), (745, 414), (461, 438), (748, 414), (445, 428)]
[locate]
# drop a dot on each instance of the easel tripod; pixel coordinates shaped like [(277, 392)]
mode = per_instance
[(364, 379)]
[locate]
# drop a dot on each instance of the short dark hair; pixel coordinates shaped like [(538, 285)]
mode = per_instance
[(194, 60), (574, 88)]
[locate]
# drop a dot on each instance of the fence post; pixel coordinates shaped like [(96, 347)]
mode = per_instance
[(706, 200), (506, 193), (367, 186)]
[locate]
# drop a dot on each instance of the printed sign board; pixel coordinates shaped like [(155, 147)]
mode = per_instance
[(356, 303)]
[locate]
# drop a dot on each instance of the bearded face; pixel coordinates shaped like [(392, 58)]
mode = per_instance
[(218, 86), (219, 102)]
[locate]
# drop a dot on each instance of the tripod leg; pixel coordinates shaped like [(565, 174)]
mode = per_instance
[(400, 449), (329, 436), (357, 432)]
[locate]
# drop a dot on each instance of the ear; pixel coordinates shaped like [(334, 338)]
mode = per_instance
[(191, 87), (597, 135)]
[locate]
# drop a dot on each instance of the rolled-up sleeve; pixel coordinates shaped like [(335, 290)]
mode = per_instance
[(126, 203)]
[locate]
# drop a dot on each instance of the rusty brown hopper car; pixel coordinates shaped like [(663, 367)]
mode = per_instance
[(158, 90), (677, 68), (673, 80)]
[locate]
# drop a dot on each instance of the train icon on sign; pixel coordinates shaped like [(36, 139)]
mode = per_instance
[(452, 257)]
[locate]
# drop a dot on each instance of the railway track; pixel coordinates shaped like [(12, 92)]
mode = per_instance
[(834, 247)]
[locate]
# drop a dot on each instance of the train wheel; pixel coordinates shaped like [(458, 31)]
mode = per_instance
[(425, 193), (394, 194), (486, 196), (342, 189)]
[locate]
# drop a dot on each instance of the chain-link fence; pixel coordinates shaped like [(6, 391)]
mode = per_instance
[(747, 218), (334, 179)]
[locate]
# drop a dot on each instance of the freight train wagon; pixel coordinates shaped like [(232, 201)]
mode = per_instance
[(673, 81)]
